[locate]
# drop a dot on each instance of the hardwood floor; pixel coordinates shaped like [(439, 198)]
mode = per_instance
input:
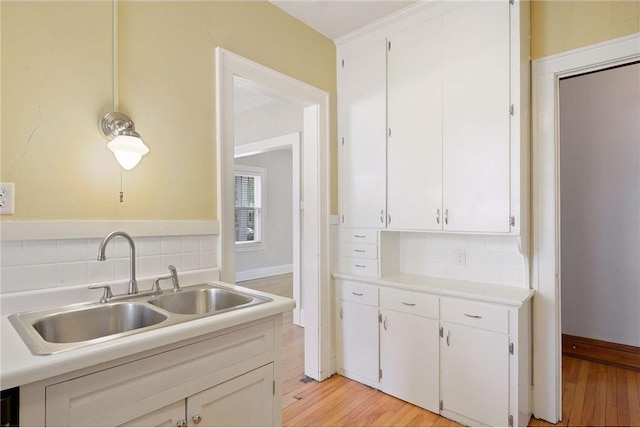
[(594, 394)]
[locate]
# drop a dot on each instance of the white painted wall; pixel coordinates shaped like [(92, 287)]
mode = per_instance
[(270, 120), (600, 205), (277, 256)]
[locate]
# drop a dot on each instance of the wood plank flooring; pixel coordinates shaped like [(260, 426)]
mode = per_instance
[(594, 394)]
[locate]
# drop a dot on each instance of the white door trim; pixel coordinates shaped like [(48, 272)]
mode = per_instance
[(545, 269), (315, 228), (286, 142)]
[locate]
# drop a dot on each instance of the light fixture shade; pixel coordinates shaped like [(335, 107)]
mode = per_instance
[(128, 150)]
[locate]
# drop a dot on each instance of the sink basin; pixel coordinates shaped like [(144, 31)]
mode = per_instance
[(204, 301), (91, 323)]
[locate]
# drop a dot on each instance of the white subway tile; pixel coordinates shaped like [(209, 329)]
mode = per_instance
[(123, 268), (476, 273), (40, 276), (475, 258), (172, 259), (151, 246), (476, 242), (171, 245), (150, 266), (512, 277), (11, 279), (208, 260), (11, 253), (492, 275), (72, 273), (191, 261), (493, 243), (208, 242), (190, 244), (72, 250), (101, 271), (512, 261), (510, 244), (40, 252), (93, 245), (461, 272), (122, 248), (493, 260)]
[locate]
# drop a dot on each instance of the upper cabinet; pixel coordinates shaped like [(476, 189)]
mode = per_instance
[(452, 78), (363, 116)]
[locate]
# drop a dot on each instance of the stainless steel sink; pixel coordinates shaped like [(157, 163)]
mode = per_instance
[(98, 321), (204, 301), (54, 330)]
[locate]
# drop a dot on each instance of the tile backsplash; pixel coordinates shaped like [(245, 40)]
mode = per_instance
[(36, 264), (492, 259)]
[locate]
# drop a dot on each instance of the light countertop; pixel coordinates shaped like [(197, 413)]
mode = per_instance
[(491, 293), (18, 366)]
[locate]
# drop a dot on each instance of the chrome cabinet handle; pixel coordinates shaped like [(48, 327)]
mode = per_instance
[(357, 294), (197, 419), (382, 216), (389, 218), (359, 236), (341, 313), (438, 216), (448, 332), (473, 316), (446, 216), (181, 423), (360, 251), (361, 266), (408, 304), (384, 323)]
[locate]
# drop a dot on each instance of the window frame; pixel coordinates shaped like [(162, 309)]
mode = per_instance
[(260, 212)]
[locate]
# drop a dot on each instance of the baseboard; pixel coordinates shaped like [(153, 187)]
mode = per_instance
[(263, 272), (614, 354)]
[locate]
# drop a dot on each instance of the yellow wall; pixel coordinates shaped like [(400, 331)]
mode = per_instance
[(56, 84), (559, 26)]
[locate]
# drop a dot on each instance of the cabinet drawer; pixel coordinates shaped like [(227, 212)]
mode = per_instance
[(361, 251), (358, 292), (474, 314), (409, 302), (358, 266), (361, 236)]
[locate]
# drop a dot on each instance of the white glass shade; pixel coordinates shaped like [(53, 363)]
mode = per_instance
[(128, 150)]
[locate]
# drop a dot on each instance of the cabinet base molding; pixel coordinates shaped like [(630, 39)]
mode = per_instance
[(614, 354)]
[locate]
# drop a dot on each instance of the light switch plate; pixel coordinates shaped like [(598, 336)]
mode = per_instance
[(7, 198)]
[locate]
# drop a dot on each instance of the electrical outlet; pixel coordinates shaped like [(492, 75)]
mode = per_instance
[(460, 257), (7, 198)]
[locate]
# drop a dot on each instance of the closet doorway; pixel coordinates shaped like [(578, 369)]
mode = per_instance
[(600, 213)]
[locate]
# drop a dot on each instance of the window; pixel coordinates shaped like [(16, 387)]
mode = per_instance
[(249, 210)]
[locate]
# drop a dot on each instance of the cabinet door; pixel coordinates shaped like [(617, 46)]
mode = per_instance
[(409, 358), (475, 374), (246, 400), (363, 123), (476, 175), (358, 342), (414, 153), (168, 416)]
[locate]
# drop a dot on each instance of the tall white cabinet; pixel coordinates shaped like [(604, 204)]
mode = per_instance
[(445, 90)]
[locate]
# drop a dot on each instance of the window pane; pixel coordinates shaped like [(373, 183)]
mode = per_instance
[(244, 227)]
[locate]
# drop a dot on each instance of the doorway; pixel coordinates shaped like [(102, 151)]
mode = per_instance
[(545, 270), (314, 188)]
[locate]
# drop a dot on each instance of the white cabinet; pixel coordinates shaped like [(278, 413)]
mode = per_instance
[(362, 78), (409, 343), (357, 332), (224, 379), (466, 359), (414, 153), (457, 113), (476, 117), (359, 251)]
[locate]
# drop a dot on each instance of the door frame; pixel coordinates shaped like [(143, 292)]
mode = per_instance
[(545, 269), (315, 191), (286, 142)]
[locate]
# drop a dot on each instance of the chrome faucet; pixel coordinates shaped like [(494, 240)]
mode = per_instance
[(173, 276), (133, 284)]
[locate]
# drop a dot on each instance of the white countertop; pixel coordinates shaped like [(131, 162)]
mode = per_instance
[(18, 366), (492, 293)]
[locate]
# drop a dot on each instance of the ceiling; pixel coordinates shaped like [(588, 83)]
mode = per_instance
[(335, 18)]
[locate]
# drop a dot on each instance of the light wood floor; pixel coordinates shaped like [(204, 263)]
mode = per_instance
[(594, 394)]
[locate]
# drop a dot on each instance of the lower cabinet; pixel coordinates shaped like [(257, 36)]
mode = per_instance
[(465, 359), (243, 401), (227, 378)]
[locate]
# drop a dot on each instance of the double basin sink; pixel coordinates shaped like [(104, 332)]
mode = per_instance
[(50, 331)]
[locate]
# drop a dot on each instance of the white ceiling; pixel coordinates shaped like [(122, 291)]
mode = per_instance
[(335, 18)]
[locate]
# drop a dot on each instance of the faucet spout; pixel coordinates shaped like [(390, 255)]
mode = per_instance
[(133, 284)]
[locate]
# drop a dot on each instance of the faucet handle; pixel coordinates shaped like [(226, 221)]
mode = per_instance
[(107, 292)]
